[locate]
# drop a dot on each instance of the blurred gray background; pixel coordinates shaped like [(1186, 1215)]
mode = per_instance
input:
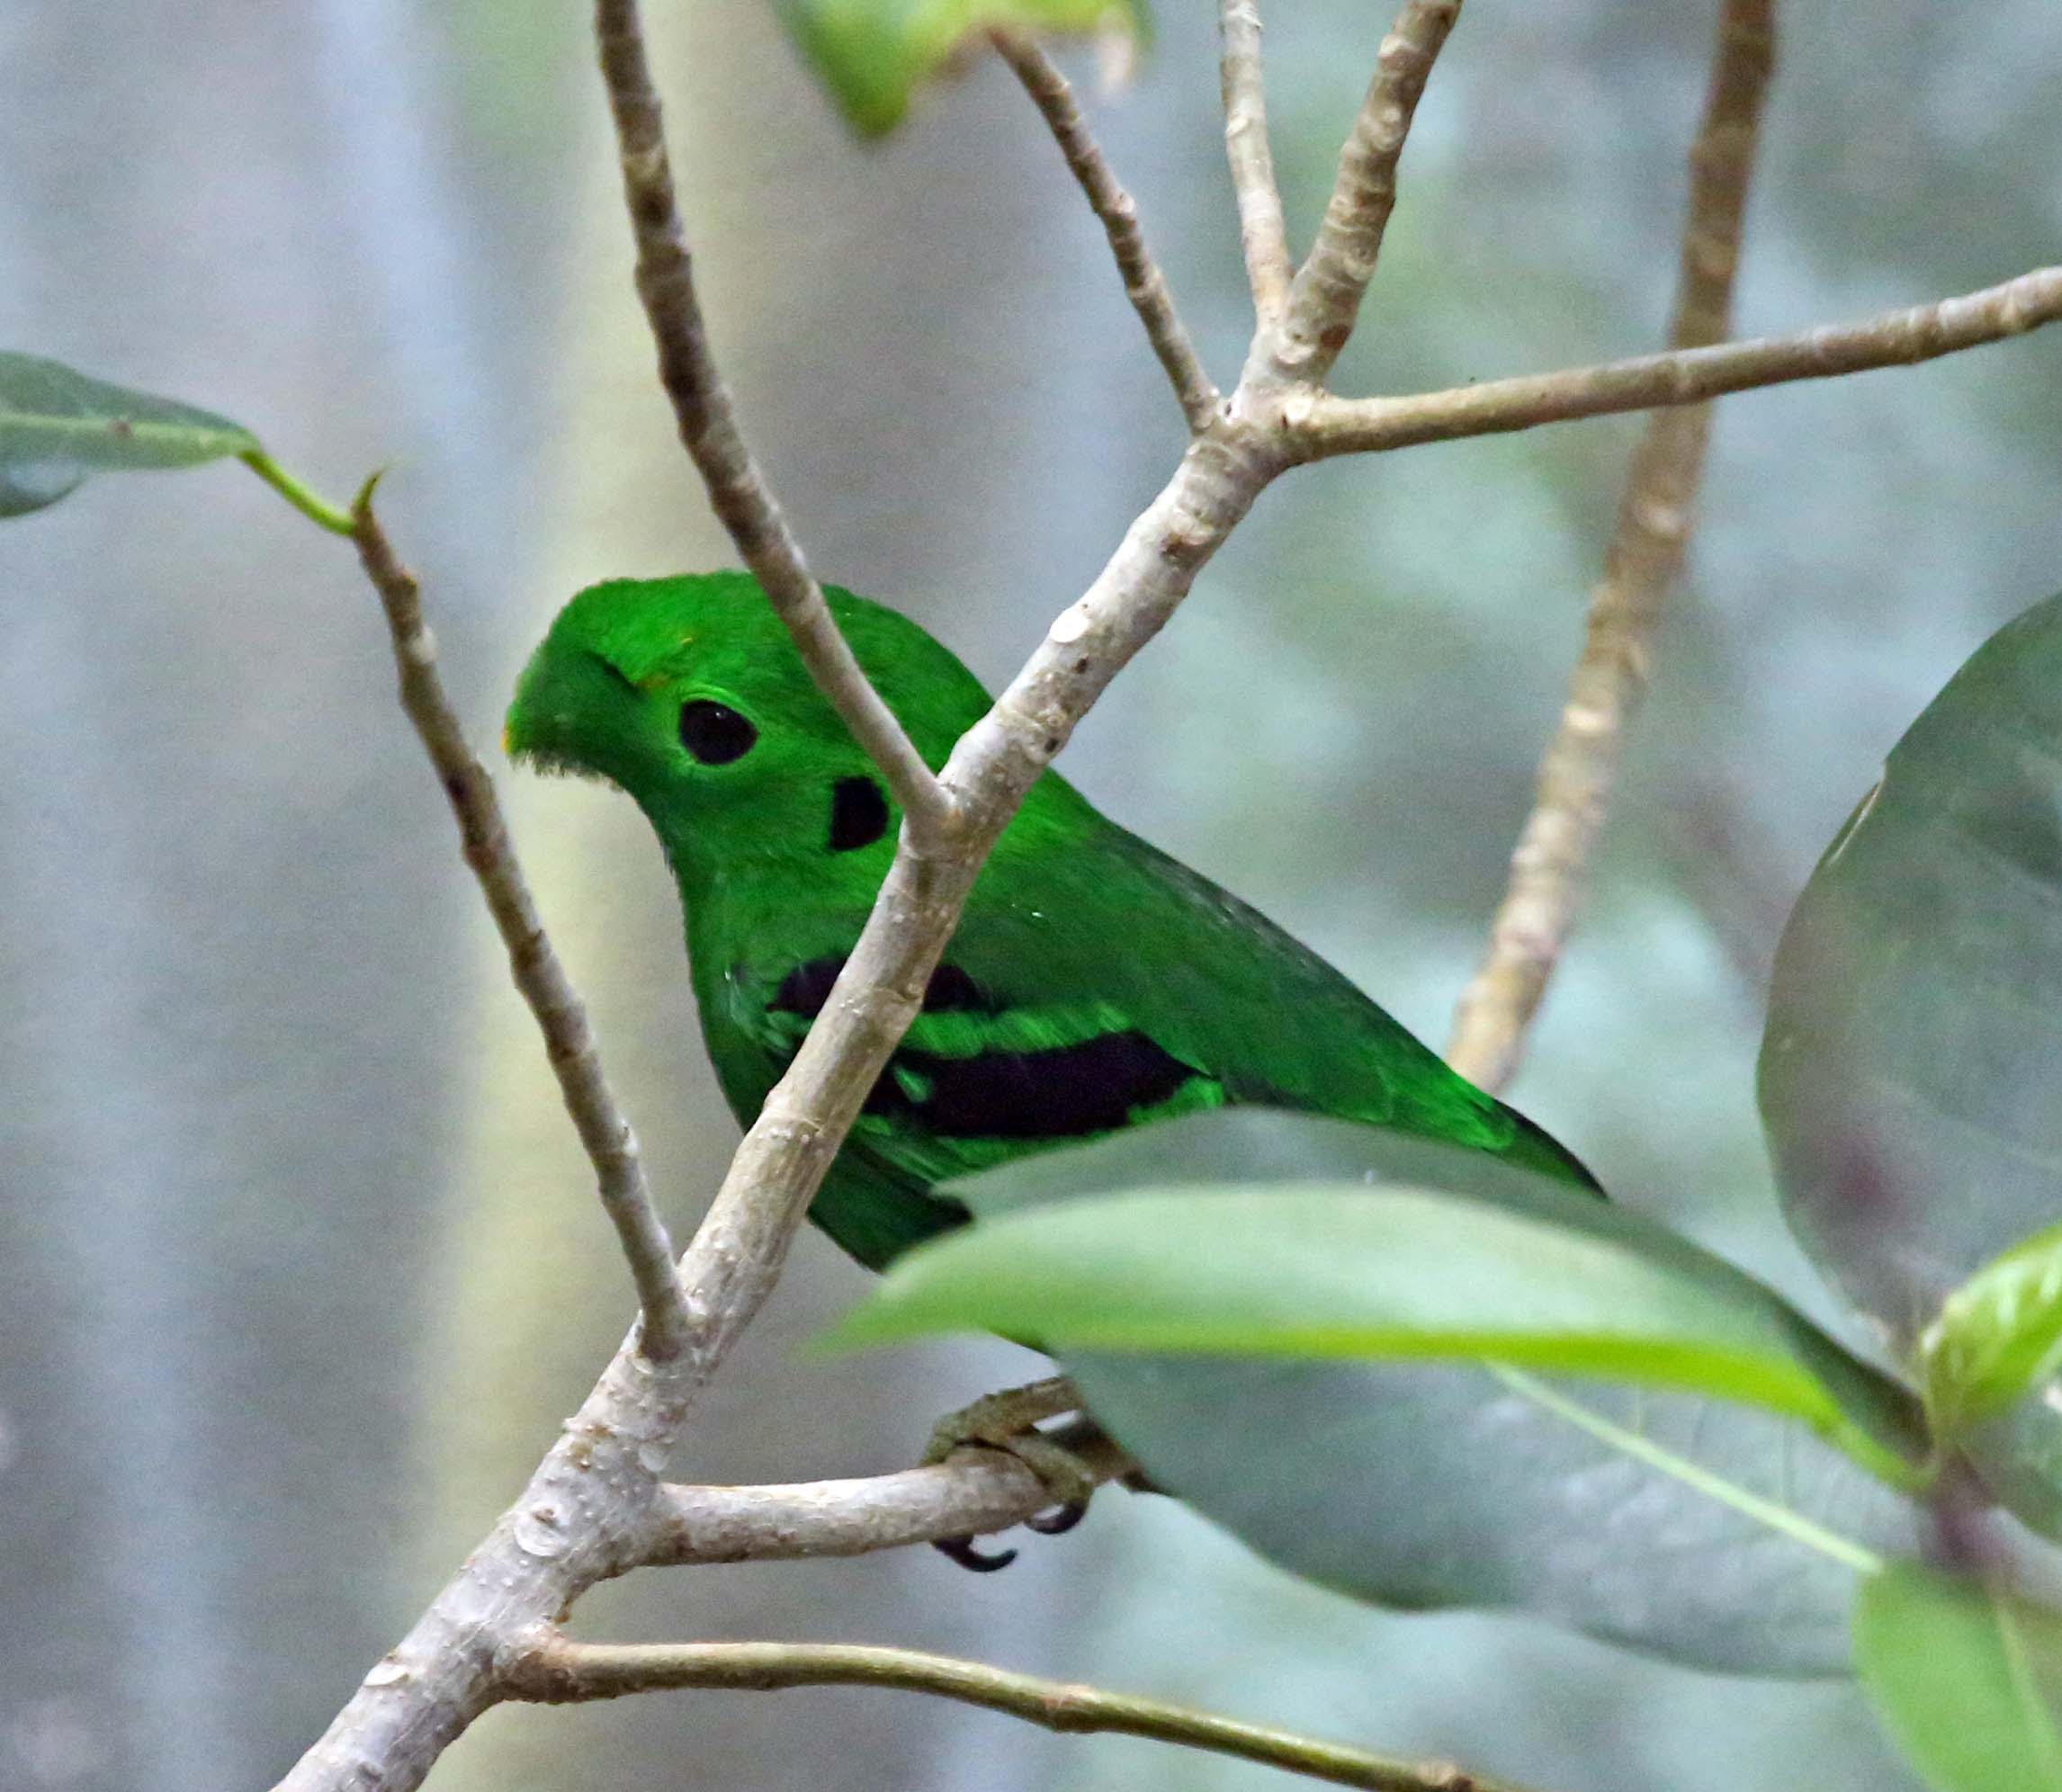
[(299, 1267)]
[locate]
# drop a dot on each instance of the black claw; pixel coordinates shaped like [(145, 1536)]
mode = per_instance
[(1060, 1520), (961, 1550)]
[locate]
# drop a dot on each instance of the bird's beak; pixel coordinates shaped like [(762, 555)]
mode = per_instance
[(573, 711)]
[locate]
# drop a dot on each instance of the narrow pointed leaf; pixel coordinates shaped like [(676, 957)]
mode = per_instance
[(874, 54), (1968, 1679), (57, 427)]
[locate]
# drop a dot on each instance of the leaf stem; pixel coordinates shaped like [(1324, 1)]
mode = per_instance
[(324, 516)]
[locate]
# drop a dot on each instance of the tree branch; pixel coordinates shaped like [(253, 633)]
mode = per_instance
[(1325, 297), (556, 1670), (1144, 284), (1263, 233), (1327, 425), (569, 1041), (737, 489), (974, 1493), (1549, 868)]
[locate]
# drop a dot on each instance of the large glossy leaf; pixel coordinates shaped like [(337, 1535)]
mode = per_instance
[(1968, 1679), (1346, 1269), (57, 427), (874, 54), (1428, 1486), (1911, 1077)]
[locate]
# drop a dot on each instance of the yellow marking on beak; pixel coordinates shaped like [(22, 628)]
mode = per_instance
[(507, 741)]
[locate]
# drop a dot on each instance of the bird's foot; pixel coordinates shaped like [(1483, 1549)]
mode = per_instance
[(1009, 1421)]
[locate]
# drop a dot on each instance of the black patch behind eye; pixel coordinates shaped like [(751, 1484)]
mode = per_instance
[(859, 814)]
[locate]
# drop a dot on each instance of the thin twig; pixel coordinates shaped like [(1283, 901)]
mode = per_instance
[(558, 1672), (1328, 288), (737, 489), (569, 1041), (1144, 284), (974, 1493), (1549, 868), (1263, 233), (1325, 426)]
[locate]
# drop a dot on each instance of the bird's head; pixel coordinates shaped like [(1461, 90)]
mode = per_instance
[(688, 693)]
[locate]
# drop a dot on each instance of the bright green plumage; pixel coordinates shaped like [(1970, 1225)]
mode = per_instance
[(1093, 981)]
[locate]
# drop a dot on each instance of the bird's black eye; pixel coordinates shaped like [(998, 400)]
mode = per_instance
[(715, 733)]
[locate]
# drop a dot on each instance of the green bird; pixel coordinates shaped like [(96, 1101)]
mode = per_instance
[(1093, 983)]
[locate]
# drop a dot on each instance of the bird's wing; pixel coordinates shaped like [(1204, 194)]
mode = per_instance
[(1097, 983), (1107, 983)]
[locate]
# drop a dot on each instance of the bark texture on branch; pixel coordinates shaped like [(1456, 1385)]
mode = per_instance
[(975, 1492), (1326, 299), (738, 490), (561, 1016), (1549, 868), (1263, 232), (1144, 284), (1325, 426), (555, 1670)]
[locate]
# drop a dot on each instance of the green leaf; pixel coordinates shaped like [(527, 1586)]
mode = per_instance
[(1912, 1067), (1968, 1679), (57, 427), (1340, 1269), (1436, 1485), (1998, 1336), (1548, 1277), (873, 54), (1911, 1074)]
